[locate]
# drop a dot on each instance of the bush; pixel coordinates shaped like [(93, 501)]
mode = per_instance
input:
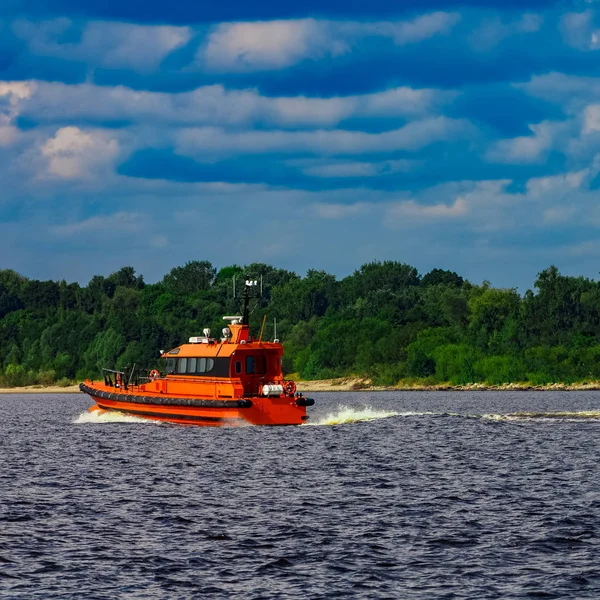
[(497, 370), (388, 374), (14, 375), (47, 377), (539, 378), (455, 363)]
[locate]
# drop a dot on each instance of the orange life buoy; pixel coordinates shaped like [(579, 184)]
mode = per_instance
[(154, 374), (289, 388)]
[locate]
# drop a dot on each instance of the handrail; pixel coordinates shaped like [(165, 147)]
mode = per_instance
[(113, 371)]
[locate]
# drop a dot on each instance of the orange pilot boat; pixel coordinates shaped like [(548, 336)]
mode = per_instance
[(231, 381)]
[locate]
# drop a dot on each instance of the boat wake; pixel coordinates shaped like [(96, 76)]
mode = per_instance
[(585, 415), (347, 414), (108, 416)]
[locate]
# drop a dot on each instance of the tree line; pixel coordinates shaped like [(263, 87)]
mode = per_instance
[(385, 322)]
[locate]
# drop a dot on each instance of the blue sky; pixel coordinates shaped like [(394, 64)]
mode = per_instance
[(323, 135)]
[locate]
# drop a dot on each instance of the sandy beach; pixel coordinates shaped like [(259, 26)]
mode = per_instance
[(41, 389), (356, 384)]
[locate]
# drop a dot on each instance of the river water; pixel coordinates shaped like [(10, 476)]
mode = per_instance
[(383, 495)]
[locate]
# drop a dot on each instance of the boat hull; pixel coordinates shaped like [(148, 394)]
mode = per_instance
[(200, 411)]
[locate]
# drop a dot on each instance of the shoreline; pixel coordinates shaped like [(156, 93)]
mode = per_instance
[(42, 389), (357, 384)]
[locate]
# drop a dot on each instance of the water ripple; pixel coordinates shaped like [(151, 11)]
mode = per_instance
[(403, 495)]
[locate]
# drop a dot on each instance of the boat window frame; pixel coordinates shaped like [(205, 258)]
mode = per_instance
[(215, 367)]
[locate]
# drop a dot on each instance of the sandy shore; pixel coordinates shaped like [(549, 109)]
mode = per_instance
[(356, 384), (41, 389)]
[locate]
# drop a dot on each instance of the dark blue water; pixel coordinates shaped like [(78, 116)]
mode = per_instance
[(438, 501)]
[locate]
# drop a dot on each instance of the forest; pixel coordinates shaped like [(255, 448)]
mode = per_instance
[(385, 322)]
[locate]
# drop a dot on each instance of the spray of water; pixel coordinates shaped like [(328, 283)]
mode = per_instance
[(108, 416), (349, 414), (591, 415)]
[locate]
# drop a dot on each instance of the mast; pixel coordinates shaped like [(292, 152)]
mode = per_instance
[(246, 298)]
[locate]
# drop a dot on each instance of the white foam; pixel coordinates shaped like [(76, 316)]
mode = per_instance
[(108, 416), (349, 414), (591, 415)]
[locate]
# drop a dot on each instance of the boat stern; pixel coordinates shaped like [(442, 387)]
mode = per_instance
[(278, 411)]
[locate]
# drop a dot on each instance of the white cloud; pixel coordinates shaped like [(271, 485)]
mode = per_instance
[(480, 206), (486, 207), (12, 93), (578, 136), (109, 44), (492, 31), (272, 45), (557, 215), (8, 133), (572, 92), (210, 141), (267, 45), (410, 210), (214, 105), (118, 222), (579, 32), (409, 32), (15, 91), (538, 187), (73, 153), (529, 149), (591, 118), (340, 211)]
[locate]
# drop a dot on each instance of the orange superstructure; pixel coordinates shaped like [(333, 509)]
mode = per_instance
[(233, 380)]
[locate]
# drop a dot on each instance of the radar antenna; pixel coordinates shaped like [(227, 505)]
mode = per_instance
[(253, 289)]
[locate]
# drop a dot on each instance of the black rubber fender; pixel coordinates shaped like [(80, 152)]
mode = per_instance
[(164, 400), (304, 401)]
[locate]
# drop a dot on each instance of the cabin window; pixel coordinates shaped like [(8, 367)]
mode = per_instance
[(255, 365), (217, 367), (238, 366)]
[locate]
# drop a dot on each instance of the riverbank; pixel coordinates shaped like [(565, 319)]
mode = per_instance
[(41, 389), (356, 384)]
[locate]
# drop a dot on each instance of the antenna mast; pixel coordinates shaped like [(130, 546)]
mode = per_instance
[(246, 296)]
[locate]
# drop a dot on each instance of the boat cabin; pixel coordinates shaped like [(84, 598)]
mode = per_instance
[(236, 359)]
